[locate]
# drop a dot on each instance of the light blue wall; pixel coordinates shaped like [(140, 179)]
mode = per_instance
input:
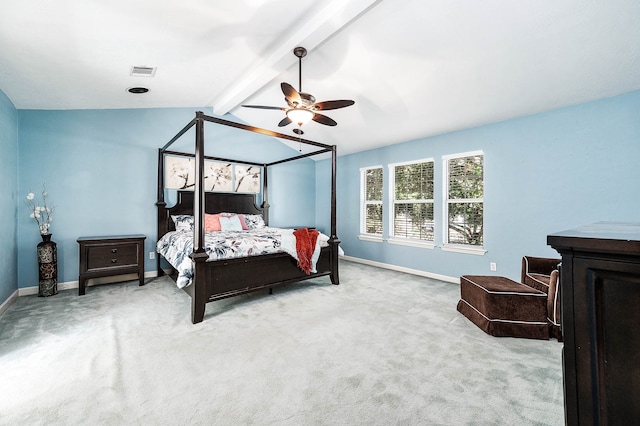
[(543, 173), (100, 170), (294, 206), (8, 186)]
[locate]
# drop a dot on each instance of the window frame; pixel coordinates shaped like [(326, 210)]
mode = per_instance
[(364, 203), (401, 240), (456, 247)]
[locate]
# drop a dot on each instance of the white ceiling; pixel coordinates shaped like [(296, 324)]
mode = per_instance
[(415, 68)]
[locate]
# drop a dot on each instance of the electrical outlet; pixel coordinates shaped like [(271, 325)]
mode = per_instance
[(493, 266), (152, 255)]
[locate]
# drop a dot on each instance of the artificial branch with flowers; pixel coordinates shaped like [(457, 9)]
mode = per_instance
[(42, 214)]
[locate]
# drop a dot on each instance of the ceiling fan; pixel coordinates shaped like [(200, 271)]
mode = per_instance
[(302, 106)]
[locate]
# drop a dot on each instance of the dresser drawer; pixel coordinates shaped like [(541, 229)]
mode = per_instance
[(112, 256)]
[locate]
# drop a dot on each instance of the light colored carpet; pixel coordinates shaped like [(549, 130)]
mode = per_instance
[(383, 348)]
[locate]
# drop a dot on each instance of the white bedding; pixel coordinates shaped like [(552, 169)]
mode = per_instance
[(176, 247)]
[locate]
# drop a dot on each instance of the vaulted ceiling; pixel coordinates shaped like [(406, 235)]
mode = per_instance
[(415, 68)]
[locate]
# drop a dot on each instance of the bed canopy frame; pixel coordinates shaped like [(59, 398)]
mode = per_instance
[(196, 201)]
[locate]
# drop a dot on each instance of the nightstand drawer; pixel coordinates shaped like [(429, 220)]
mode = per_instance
[(112, 256)]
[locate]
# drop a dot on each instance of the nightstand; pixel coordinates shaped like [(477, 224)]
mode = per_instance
[(110, 256)]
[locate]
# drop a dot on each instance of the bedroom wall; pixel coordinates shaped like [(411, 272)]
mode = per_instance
[(100, 170), (543, 174), (8, 186), (294, 207)]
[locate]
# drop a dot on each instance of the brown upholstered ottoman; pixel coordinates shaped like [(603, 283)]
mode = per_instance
[(503, 307)]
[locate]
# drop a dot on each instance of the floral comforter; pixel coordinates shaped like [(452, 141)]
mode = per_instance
[(176, 247)]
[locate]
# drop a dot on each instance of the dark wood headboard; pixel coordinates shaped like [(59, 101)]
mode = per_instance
[(214, 202)]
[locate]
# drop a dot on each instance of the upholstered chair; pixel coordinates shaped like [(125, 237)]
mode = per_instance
[(542, 274), (536, 272), (553, 305)]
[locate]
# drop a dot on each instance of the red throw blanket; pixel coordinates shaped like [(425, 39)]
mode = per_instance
[(305, 246)]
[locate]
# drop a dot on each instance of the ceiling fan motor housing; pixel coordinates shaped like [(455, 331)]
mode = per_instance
[(307, 100)]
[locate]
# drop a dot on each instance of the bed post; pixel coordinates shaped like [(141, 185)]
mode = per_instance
[(199, 255), (265, 199), (161, 205), (334, 241)]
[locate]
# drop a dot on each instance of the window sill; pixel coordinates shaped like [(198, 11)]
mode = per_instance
[(371, 238), (411, 243), (478, 251)]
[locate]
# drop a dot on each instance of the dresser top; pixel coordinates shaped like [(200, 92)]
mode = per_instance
[(113, 237), (606, 230), (622, 237)]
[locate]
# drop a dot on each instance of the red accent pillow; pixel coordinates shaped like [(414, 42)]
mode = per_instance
[(212, 223)]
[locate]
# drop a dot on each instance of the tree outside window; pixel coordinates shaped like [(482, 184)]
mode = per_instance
[(371, 187), (465, 205), (413, 200)]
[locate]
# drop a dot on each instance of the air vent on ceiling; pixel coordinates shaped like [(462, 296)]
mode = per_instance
[(143, 71)]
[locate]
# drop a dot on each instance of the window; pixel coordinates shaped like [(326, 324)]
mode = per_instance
[(412, 200), (464, 192), (371, 201)]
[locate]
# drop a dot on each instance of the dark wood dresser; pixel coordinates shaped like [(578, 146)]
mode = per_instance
[(110, 256), (600, 296)]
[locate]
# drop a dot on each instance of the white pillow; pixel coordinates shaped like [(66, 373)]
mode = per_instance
[(230, 223)]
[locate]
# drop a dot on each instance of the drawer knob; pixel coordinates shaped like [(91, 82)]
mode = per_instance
[(114, 260), (114, 250)]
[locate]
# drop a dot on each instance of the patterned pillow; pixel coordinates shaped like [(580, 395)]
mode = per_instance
[(254, 221), (183, 222)]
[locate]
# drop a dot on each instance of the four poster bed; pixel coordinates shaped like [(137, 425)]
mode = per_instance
[(209, 275)]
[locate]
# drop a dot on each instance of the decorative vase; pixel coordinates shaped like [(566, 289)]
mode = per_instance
[(47, 267)]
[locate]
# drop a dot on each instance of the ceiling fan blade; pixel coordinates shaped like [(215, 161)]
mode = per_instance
[(264, 107), (323, 106), (285, 121), (323, 119), (291, 94)]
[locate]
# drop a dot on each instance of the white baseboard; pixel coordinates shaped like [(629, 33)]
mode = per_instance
[(455, 280), (10, 301), (27, 291)]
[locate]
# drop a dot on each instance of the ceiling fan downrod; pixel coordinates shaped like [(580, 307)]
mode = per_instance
[(300, 52)]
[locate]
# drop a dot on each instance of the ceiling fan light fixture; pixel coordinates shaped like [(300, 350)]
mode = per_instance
[(300, 115)]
